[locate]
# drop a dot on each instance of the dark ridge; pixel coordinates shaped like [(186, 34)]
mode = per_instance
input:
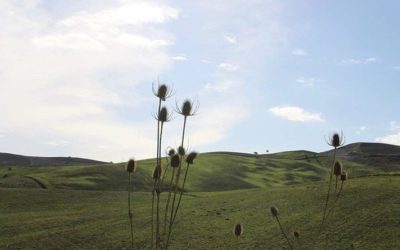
[(367, 148), (7, 159)]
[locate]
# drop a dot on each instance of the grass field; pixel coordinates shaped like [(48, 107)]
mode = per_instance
[(366, 217), (85, 206)]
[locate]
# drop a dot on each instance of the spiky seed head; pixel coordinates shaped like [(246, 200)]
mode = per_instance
[(187, 108), (337, 168), (181, 151), (274, 211), (343, 176), (175, 160), (191, 156), (171, 152), (157, 172), (336, 140), (238, 229), (296, 234), (163, 115), (131, 166), (162, 92)]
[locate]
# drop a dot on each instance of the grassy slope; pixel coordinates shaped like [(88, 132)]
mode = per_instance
[(211, 172), (366, 216)]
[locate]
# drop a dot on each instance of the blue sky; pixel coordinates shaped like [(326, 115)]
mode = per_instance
[(75, 76)]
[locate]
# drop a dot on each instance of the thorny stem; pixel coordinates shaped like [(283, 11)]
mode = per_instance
[(129, 208), (154, 186), (336, 199), (176, 185), (283, 232), (152, 216), (173, 203), (158, 191), (336, 184), (331, 210), (327, 195), (180, 195), (169, 198)]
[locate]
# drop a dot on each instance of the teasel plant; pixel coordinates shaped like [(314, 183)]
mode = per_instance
[(162, 92), (187, 109), (130, 169), (238, 231), (336, 140), (275, 214)]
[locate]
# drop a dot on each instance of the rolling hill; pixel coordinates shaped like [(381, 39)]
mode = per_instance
[(83, 205), (216, 171)]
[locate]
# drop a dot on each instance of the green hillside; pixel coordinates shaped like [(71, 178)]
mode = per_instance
[(366, 218), (212, 171)]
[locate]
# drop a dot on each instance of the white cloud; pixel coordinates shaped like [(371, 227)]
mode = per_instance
[(360, 61), (361, 130), (214, 123), (227, 67), (205, 61), (296, 114), (222, 86), (179, 58), (394, 126), (230, 39), (299, 52), (390, 139), (307, 81), (68, 79)]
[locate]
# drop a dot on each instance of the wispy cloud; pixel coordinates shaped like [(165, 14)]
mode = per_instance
[(230, 39), (390, 139), (299, 52), (394, 137), (296, 114), (179, 58), (205, 61), (222, 85), (86, 72), (394, 126), (359, 61), (307, 81), (361, 130), (228, 67)]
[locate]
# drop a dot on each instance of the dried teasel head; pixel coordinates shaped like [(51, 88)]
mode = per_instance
[(343, 176), (171, 152), (163, 115), (337, 168), (188, 108), (274, 211), (238, 229), (191, 156), (131, 166), (157, 172), (181, 151), (336, 140), (162, 91), (175, 160), (296, 234)]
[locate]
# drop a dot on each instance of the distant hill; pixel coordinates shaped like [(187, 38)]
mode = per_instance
[(214, 171), (21, 160)]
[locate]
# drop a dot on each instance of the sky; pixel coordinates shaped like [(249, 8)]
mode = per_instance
[(76, 76)]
